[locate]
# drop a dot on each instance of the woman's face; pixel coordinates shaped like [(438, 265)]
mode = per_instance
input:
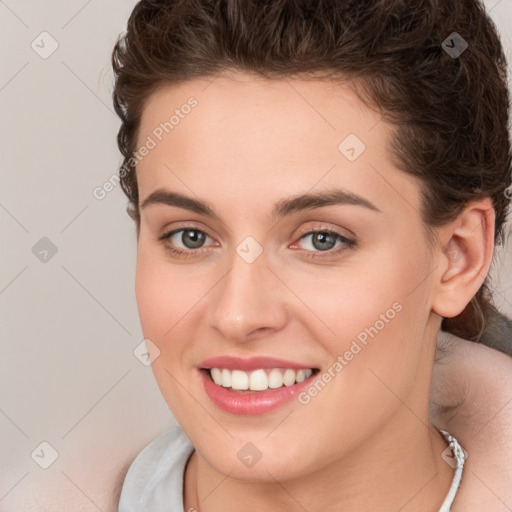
[(251, 284)]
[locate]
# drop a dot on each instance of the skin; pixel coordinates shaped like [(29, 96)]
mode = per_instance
[(366, 442), (471, 397)]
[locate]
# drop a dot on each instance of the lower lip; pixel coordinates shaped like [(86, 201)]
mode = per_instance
[(251, 403)]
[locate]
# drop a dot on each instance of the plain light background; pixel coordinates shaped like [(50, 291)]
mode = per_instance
[(69, 321)]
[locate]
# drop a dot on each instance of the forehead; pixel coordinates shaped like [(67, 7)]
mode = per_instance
[(291, 108), (269, 136)]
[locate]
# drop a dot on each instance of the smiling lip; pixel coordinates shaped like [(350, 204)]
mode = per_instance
[(249, 403)]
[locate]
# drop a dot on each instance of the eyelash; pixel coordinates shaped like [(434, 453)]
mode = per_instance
[(349, 243)]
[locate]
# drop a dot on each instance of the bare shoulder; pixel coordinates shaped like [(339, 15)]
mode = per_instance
[(472, 390)]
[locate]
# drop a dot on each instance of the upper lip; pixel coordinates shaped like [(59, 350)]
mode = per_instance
[(252, 363)]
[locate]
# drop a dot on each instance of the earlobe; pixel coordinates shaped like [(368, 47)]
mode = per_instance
[(464, 257)]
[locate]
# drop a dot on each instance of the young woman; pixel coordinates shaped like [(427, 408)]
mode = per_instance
[(317, 189)]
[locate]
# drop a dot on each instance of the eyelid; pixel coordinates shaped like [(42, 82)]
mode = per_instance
[(182, 226), (320, 226), (171, 232)]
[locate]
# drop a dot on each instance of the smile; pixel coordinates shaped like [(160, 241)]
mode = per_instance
[(253, 386)]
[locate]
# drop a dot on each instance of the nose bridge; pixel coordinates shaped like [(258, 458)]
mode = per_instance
[(246, 298)]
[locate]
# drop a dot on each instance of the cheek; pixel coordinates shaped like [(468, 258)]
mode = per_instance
[(168, 300), (371, 321), (374, 311), (165, 294)]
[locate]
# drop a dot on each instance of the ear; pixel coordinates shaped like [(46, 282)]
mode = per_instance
[(464, 257)]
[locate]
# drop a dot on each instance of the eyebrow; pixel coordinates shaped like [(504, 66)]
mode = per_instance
[(282, 208)]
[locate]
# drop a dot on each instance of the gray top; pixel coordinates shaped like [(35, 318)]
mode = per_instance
[(154, 482)]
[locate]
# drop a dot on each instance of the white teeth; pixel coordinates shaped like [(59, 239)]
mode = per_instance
[(301, 375), (217, 376), (289, 377), (275, 379), (226, 378), (239, 380), (258, 380)]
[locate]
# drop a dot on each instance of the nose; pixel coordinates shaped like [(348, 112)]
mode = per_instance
[(249, 302)]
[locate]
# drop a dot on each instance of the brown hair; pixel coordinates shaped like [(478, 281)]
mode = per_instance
[(451, 111)]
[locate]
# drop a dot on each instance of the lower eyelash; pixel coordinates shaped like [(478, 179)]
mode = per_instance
[(180, 253)]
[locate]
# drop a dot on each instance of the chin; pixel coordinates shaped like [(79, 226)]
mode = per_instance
[(261, 461)]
